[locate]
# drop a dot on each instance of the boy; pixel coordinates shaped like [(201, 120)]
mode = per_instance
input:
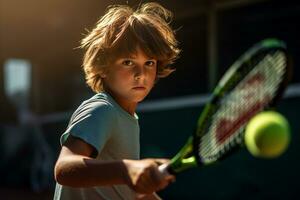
[(125, 54)]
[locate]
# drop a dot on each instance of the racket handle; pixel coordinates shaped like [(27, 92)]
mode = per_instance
[(165, 170)]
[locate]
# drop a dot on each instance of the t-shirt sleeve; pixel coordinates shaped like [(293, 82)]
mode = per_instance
[(92, 123)]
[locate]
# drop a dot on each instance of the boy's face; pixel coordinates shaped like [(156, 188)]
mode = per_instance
[(129, 79)]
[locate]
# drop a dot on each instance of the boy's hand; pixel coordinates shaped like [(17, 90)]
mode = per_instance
[(144, 177)]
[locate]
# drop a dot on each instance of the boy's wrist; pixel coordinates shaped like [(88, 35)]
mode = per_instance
[(120, 168), (125, 172)]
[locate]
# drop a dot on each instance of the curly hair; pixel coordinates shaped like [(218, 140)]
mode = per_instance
[(120, 31)]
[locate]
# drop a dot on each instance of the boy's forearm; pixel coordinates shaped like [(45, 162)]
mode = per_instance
[(152, 196), (79, 171)]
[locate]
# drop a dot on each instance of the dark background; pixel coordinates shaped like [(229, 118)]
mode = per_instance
[(46, 33)]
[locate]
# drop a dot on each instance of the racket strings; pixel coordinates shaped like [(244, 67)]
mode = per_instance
[(251, 95), (254, 109), (259, 93)]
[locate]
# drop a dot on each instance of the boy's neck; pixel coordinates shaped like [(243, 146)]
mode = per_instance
[(129, 107)]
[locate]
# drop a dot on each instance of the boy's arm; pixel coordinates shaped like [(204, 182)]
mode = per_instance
[(152, 196), (76, 168)]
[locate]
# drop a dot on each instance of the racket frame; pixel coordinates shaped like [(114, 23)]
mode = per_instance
[(188, 156)]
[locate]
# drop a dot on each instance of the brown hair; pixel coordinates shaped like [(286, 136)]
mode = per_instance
[(120, 31)]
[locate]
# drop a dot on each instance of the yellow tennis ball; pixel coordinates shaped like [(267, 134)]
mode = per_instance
[(267, 135)]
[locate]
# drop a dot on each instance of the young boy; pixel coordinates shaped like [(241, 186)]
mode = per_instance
[(125, 54)]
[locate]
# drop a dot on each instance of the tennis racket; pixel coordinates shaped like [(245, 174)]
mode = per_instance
[(255, 82)]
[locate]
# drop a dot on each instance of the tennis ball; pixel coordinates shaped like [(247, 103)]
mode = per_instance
[(267, 135)]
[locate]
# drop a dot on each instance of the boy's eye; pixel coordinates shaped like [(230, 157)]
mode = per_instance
[(150, 63), (127, 63)]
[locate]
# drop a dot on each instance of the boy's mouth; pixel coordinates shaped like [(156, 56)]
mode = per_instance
[(139, 88)]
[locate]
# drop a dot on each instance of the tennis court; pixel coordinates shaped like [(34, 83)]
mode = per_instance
[(41, 83)]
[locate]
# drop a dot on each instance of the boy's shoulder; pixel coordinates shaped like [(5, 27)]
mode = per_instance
[(104, 104), (99, 103), (99, 99)]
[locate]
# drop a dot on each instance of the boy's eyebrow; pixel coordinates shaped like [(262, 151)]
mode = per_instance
[(133, 56), (127, 56)]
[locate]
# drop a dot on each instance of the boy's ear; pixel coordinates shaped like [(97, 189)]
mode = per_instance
[(102, 74)]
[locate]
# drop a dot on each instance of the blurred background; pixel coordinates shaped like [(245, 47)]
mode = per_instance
[(41, 83)]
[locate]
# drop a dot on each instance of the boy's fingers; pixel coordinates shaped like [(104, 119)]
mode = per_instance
[(161, 180), (165, 173), (161, 161), (150, 181)]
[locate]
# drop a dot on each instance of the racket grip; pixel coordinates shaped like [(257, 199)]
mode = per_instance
[(165, 170)]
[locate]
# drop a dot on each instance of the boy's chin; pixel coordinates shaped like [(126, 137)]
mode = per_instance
[(139, 96), (138, 99)]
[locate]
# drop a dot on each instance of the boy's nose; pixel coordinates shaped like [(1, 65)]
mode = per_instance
[(139, 73)]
